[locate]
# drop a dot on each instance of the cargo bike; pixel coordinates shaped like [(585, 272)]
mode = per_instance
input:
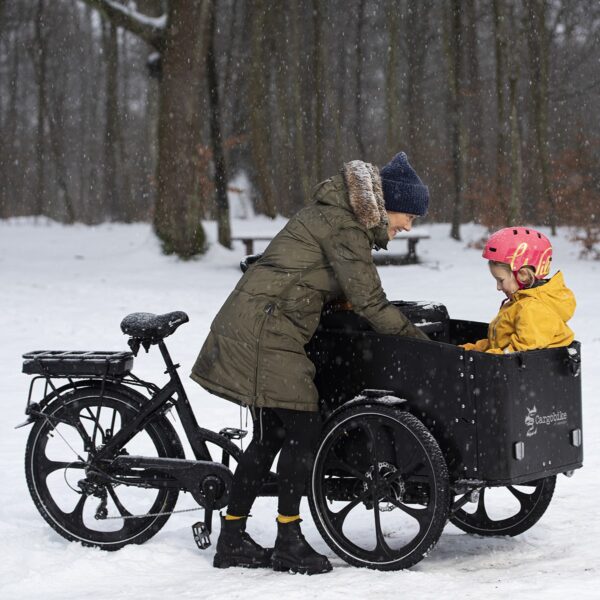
[(415, 433)]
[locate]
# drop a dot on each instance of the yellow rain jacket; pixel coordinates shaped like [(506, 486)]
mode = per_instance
[(534, 318)]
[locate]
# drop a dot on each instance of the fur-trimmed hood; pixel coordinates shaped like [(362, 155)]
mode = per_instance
[(364, 193), (364, 196)]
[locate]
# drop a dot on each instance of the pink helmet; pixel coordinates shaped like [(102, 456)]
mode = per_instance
[(519, 247)]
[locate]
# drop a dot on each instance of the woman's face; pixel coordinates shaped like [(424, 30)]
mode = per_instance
[(399, 222), (505, 280)]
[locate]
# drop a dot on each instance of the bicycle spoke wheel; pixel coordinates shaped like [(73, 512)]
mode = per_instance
[(379, 488), (508, 510), (80, 503)]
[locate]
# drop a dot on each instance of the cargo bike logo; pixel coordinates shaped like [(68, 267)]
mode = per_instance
[(533, 420)]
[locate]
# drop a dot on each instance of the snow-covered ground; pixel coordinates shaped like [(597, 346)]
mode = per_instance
[(69, 287)]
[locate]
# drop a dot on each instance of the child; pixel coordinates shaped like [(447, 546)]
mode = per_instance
[(536, 310)]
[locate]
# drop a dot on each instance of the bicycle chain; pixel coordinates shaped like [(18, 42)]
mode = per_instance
[(158, 514)]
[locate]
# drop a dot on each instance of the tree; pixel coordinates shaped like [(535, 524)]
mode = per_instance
[(500, 51), (418, 36), (259, 118), (112, 197), (392, 91), (358, 98), (180, 36), (454, 54), (223, 225), (319, 85), (539, 56), (516, 163)]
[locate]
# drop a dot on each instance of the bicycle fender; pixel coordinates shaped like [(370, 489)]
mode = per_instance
[(370, 398)]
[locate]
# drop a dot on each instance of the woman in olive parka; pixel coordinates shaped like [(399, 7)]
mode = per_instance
[(254, 354)]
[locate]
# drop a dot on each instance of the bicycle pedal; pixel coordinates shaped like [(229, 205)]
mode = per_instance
[(201, 535), (233, 433)]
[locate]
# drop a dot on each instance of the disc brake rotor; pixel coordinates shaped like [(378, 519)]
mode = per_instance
[(396, 489)]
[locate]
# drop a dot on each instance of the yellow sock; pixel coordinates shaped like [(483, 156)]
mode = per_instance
[(229, 517), (285, 519)]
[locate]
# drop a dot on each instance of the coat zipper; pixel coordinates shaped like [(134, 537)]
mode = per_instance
[(270, 308), (268, 311)]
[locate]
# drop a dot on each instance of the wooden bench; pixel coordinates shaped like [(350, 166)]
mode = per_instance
[(379, 258), (410, 258), (249, 240)]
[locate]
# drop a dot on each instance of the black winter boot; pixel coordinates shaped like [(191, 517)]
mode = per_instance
[(293, 553), (235, 548)]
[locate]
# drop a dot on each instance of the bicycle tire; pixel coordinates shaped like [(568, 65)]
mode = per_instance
[(38, 468), (532, 507), (395, 436)]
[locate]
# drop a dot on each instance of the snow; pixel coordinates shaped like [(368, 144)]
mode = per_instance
[(68, 287), (142, 19)]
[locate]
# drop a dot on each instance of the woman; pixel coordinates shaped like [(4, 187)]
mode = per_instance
[(254, 354)]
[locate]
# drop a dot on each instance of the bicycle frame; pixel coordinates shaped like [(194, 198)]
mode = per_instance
[(172, 388)]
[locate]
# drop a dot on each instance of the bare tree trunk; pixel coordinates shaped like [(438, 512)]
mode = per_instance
[(392, 92), (181, 40), (539, 54), (111, 120), (319, 85), (457, 133), (9, 124), (179, 208), (500, 45), (56, 122), (258, 106), (516, 164), (474, 143), (296, 92), (129, 209), (358, 103), (417, 33), (39, 61), (223, 224)]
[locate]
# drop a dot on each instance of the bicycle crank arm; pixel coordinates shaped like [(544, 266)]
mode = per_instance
[(208, 482)]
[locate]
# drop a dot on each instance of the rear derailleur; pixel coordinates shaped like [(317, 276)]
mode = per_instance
[(89, 488)]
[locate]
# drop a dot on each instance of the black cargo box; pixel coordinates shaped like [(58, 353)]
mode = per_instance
[(502, 419)]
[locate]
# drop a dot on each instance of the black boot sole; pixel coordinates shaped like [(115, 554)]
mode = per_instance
[(284, 566), (225, 563)]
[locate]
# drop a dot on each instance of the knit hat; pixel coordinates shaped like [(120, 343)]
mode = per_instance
[(403, 190)]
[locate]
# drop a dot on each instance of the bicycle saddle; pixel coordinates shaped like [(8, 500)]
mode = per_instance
[(152, 328)]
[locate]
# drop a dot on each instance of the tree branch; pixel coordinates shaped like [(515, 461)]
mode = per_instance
[(150, 29)]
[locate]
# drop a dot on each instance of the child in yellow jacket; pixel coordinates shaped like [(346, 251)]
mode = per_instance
[(536, 310)]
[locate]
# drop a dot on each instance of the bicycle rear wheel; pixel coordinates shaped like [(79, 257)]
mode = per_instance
[(76, 504)]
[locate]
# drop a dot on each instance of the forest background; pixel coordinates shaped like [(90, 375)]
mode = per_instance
[(147, 110)]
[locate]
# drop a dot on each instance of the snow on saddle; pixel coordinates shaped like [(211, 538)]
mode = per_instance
[(147, 328)]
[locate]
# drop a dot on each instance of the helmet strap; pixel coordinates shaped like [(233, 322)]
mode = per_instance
[(519, 282)]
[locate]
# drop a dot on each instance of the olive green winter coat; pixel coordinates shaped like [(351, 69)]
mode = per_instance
[(254, 354)]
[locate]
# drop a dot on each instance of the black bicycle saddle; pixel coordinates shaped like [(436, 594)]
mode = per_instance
[(152, 328)]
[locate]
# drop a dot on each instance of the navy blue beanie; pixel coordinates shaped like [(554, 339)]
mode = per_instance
[(403, 190)]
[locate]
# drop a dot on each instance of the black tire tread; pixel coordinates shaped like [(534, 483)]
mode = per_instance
[(167, 434), (439, 464), (461, 519)]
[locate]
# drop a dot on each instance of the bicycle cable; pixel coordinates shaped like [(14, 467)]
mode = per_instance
[(63, 438)]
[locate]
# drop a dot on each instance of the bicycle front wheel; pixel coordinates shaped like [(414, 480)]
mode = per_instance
[(106, 515)]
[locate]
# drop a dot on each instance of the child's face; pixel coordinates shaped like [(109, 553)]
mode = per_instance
[(505, 280)]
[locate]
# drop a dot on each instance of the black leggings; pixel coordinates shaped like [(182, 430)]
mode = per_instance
[(293, 432)]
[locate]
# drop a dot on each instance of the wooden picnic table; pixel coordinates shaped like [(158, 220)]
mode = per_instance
[(380, 258), (249, 240), (392, 258)]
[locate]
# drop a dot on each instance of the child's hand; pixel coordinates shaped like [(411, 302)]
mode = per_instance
[(478, 346)]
